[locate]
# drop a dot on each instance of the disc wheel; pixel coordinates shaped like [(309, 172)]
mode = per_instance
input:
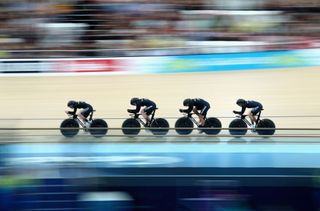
[(159, 126), (131, 123), (237, 123), (98, 128), (266, 124), (69, 128), (212, 123), (184, 122)]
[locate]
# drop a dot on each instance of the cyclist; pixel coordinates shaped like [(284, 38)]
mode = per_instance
[(86, 110), (149, 107), (255, 106), (199, 106)]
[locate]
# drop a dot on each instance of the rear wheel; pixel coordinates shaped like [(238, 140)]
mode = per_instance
[(212, 122), (237, 123), (98, 128), (184, 122), (69, 127), (268, 124), (131, 123), (160, 126)]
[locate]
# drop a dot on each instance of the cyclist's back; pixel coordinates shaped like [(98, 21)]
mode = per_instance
[(146, 102), (200, 103), (83, 105), (253, 104)]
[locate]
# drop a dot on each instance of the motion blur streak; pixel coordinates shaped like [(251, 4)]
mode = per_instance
[(107, 51)]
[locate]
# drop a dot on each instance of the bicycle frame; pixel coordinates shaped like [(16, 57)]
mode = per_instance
[(244, 118), (136, 116), (189, 115), (75, 117)]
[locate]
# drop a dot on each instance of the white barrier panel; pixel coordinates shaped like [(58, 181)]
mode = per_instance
[(166, 64), (62, 65)]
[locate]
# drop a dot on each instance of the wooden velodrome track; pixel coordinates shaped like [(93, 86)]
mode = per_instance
[(160, 161), (283, 92)]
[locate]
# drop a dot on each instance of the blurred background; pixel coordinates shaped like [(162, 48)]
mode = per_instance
[(112, 50), (98, 28)]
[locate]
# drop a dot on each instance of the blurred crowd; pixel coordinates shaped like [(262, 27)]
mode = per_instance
[(97, 28)]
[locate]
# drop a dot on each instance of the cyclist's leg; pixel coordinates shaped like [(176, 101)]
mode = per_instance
[(251, 117), (83, 116), (253, 113), (195, 111), (203, 115), (146, 114)]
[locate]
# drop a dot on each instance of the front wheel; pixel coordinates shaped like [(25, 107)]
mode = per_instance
[(160, 126), (237, 123), (69, 128), (131, 123), (98, 128), (211, 123), (184, 122), (266, 124)]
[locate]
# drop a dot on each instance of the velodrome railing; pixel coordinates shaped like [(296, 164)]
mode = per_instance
[(14, 133), (166, 117), (312, 134)]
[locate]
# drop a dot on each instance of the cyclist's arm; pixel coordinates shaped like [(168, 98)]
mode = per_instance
[(240, 112), (72, 112), (243, 109), (136, 110), (188, 110)]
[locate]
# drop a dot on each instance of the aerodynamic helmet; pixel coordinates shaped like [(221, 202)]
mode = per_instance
[(72, 103), (241, 102), (187, 102), (134, 100)]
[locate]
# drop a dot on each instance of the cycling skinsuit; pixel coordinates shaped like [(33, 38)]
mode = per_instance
[(256, 107), (199, 104), (87, 108), (150, 106)]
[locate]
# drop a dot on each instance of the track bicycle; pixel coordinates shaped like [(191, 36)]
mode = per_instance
[(132, 126), (184, 125), (71, 126), (239, 125)]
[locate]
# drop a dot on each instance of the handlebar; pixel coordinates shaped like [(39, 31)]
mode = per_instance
[(241, 116), (134, 114), (186, 113), (71, 114)]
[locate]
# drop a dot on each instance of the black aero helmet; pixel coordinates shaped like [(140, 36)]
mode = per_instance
[(72, 103), (187, 102), (134, 100), (241, 102)]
